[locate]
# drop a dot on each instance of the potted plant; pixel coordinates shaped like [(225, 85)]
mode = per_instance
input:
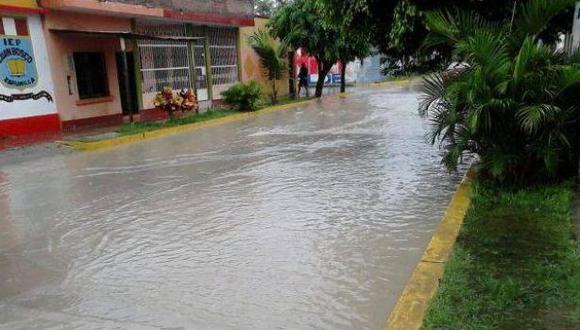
[(189, 102), (168, 101)]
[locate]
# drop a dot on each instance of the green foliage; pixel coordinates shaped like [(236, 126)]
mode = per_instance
[(404, 14), (264, 7), (512, 101), (300, 24), (397, 28), (514, 265), (272, 58), (244, 97)]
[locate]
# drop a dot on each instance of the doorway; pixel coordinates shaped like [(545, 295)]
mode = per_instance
[(132, 83)]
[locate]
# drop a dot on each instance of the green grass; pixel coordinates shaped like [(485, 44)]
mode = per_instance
[(138, 128), (290, 100), (515, 264), (402, 77)]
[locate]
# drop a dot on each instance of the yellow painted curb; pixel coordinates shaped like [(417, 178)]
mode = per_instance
[(163, 132), (412, 305)]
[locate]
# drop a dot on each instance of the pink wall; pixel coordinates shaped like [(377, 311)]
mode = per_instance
[(61, 46), (62, 20)]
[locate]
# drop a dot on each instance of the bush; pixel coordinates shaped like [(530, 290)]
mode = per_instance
[(512, 101), (244, 97)]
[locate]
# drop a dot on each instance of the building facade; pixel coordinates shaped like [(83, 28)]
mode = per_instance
[(250, 62), (26, 88), (178, 43), (70, 64)]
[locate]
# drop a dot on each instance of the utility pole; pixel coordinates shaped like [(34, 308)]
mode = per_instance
[(576, 29)]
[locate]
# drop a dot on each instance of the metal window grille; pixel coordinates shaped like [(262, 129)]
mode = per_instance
[(224, 58), (163, 62), (166, 63)]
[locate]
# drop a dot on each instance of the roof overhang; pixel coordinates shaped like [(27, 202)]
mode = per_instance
[(124, 34), (22, 10), (118, 9)]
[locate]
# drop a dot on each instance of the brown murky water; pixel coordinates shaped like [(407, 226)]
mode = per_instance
[(302, 219)]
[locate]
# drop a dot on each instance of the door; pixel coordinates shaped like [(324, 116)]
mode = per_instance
[(132, 83), (200, 72)]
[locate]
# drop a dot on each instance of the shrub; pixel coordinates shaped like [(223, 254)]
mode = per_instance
[(244, 97), (513, 101)]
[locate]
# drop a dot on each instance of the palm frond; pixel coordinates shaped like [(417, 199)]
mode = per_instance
[(432, 89), (532, 118), (452, 26), (533, 17)]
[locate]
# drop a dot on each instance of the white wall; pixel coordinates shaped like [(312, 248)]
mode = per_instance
[(30, 108)]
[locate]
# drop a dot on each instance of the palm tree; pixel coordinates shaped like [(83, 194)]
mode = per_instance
[(513, 101), (272, 58)]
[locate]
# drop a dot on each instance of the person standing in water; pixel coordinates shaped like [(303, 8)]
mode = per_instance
[(303, 80)]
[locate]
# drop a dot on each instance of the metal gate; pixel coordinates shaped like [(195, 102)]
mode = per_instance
[(224, 58)]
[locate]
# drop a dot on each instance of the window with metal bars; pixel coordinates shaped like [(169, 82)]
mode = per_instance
[(223, 49), (164, 62)]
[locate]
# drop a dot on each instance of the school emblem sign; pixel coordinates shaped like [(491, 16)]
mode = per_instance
[(17, 65)]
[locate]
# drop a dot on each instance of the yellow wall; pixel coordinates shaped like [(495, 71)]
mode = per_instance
[(19, 3), (250, 63)]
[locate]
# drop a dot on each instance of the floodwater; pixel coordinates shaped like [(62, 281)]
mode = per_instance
[(310, 218)]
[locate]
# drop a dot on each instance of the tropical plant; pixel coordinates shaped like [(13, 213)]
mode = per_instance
[(244, 97), (272, 58), (512, 101)]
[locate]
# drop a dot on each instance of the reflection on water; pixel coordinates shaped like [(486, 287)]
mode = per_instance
[(307, 218)]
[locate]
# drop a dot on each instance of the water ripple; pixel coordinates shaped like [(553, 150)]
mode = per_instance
[(303, 219)]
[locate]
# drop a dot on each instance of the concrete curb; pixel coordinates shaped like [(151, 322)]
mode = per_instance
[(134, 138), (412, 305)]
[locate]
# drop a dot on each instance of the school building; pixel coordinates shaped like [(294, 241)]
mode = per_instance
[(69, 64)]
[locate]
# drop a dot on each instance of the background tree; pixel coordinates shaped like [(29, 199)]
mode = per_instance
[(349, 49), (264, 7), (272, 58), (299, 24), (397, 28), (267, 8)]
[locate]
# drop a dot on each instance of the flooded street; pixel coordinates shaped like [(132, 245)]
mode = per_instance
[(311, 218)]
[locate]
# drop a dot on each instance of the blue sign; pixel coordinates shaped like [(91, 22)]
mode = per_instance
[(17, 66)]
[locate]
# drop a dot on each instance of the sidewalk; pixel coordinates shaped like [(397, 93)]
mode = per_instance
[(18, 149)]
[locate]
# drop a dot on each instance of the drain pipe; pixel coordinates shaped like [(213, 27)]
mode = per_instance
[(126, 78)]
